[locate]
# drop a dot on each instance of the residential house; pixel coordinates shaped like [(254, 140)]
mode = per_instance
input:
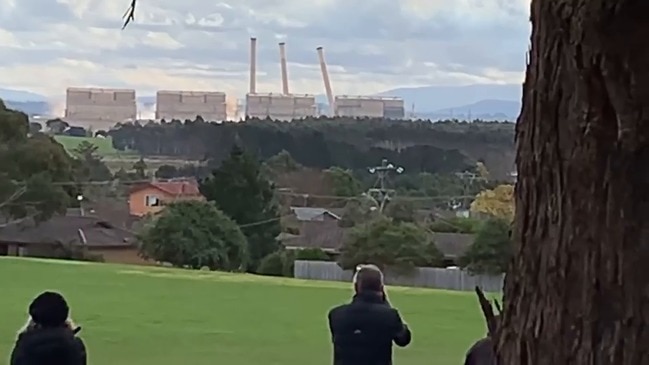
[(151, 197), (318, 228), (115, 211), (61, 236)]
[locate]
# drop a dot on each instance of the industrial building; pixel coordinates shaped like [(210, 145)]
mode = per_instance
[(369, 106), (183, 105), (279, 106), (99, 108), (359, 106)]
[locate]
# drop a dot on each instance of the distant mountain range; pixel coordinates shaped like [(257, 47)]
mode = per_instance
[(485, 101), (20, 96), (29, 107)]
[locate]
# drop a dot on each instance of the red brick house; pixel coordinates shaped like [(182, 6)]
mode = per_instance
[(151, 197)]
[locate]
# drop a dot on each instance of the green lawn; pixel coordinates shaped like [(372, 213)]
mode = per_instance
[(104, 145), (159, 316)]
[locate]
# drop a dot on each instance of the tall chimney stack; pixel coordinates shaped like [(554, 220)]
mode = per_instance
[(253, 65), (282, 60), (327, 83)]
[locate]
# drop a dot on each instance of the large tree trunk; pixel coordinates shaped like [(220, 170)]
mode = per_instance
[(578, 290)]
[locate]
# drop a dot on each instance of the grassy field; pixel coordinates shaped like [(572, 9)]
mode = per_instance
[(104, 145), (116, 159), (159, 316)]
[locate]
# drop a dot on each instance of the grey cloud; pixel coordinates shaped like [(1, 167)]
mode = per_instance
[(35, 14), (16, 57), (363, 37)]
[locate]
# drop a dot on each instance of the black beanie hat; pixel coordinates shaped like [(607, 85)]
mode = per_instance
[(49, 309)]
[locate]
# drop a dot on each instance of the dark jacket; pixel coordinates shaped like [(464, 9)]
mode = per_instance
[(481, 353), (363, 331), (49, 346)]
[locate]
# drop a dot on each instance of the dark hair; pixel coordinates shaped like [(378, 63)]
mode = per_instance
[(369, 278), (49, 309)]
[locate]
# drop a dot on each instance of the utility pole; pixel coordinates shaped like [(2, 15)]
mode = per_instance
[(467, 178), (379, 192)]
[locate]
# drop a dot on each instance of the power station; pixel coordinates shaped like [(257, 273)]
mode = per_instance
[(278, 106), (370, 107), (359, 106), (184, 105), (99, 108), (103, 108)]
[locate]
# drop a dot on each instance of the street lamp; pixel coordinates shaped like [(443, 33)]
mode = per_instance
[(80, 200)]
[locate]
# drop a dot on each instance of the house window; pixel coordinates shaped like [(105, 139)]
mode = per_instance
[(152, 201)]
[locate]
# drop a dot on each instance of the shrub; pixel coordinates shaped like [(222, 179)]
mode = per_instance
[(282, 263), (273, 264), (456, 225), (312, 254)]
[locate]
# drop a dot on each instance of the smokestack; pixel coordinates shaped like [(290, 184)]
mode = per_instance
[(327, 83), (282, 60), (253, 65)]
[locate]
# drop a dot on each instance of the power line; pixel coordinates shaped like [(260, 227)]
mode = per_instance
[(400, 197), (316, 196)]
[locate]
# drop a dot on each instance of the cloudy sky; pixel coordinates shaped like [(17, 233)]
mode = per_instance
[(370, 45)]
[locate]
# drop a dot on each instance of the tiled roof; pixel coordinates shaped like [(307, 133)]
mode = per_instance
[(312, 214), (177, 188), (68, 230)]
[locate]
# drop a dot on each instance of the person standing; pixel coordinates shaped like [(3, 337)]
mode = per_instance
[(363, 331), (49, 337)]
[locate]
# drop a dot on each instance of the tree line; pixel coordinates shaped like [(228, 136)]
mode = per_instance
[(418, 146)]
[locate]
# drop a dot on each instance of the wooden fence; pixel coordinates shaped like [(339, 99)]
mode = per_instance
[(427, 277)]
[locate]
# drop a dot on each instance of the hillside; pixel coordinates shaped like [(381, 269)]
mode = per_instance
[(490, 109), (434, 98)]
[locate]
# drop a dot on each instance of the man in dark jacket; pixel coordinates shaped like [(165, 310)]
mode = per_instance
[(363, 330), (49, 337)]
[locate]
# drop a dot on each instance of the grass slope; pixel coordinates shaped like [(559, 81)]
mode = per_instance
[(104, 145), (116, 159), (159, 316)]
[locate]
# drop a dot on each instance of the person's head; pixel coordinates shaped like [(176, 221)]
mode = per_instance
[(368, 279), (49, 309)]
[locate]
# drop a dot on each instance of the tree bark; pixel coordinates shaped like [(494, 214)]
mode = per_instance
[(577, 291)]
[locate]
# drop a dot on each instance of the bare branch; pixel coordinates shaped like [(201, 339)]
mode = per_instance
[(498, 307), (17, 194), (129, 14), (17, 221), (487, 311)]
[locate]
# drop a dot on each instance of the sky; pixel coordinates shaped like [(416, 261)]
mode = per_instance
[(370, 46)]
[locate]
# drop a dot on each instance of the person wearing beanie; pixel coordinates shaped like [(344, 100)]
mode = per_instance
[(50, 336), (364, 330)]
